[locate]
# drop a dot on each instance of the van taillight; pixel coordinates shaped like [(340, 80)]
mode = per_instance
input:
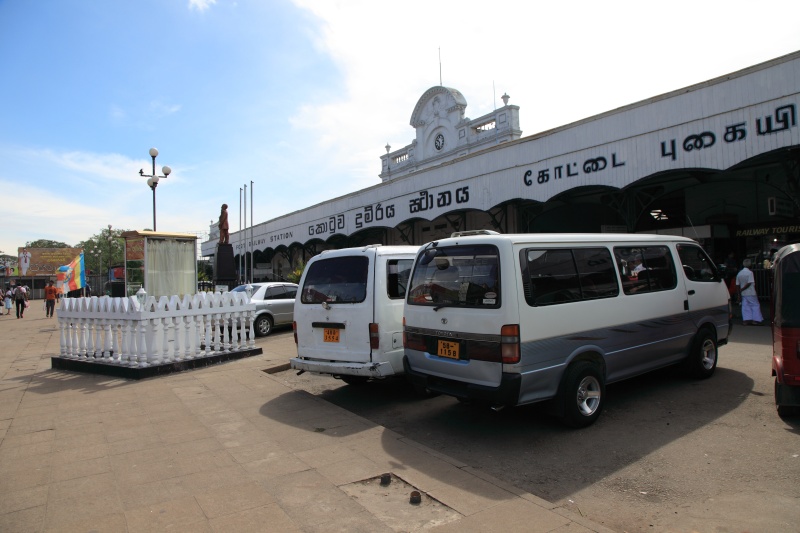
[(374, 336), (294, 330), (509, 344), (413, 341)]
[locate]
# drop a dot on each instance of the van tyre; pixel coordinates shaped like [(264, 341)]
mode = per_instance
[(702, 360), (263, 326), (583, 394)]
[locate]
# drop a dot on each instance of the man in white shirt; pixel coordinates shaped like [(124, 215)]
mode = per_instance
[(24, 261), (751, 309)]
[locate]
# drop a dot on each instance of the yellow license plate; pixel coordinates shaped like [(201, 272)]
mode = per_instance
[(448, 349), (330, 335)]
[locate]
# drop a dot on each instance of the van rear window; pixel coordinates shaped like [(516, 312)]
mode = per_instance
[(554, 276), (336, 280), (456, 276)]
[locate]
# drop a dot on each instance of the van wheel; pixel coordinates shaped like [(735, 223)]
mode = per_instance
[(263, 326), (582, 395), (355, 381), (702, 360)]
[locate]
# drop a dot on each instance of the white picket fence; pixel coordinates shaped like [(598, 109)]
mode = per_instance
[(121, 331)]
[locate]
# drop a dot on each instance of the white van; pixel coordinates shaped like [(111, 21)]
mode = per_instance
[(349, 311), (516, 319)]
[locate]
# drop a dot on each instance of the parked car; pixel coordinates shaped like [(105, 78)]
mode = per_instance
[(274, 305)]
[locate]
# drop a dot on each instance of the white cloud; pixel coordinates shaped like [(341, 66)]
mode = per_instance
[(160, 109), (560, 62), (201, 5)]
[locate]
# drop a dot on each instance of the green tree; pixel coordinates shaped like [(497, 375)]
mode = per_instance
[(297, 273), (103, 250), (46, 243), (205, 272)]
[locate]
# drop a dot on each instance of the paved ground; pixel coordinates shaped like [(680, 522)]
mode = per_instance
[(225, 448)]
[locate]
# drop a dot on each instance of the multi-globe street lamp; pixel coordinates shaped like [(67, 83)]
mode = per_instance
[(152, 180)]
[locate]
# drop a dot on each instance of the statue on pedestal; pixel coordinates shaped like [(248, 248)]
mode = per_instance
[(223, 225)]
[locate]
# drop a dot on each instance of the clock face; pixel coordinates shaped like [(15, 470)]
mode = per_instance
[(439, 142)]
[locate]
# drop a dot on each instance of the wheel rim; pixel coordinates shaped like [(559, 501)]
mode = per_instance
[(708, 354), (263, 326), (588, 396)]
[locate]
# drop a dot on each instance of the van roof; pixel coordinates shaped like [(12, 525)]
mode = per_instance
[(555, 238), (377, 248)]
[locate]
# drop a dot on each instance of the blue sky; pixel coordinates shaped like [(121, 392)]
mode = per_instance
[(301, 96)]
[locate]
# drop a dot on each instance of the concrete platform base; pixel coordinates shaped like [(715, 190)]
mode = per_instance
[(89, 367)]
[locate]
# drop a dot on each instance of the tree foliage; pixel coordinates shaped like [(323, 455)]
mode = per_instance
[(297, 273), (104, 249), (46, 243)]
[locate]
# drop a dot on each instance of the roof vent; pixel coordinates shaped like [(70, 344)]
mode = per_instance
[(472, 232)]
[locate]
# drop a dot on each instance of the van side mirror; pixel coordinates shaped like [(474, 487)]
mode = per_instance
[(428, 255)]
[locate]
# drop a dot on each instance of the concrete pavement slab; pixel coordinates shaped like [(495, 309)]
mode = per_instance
[(222, 448)]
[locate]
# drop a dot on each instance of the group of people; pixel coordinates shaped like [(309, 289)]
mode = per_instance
[(17, 296)]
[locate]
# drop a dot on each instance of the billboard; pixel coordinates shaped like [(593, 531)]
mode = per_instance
[(43, 262)]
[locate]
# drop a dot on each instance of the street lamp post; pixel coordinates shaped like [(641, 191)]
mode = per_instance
[(152, 180)]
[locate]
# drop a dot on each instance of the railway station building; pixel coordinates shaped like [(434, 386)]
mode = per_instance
[(718, 161)]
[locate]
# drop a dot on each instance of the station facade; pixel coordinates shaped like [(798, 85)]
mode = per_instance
[(718, 162)]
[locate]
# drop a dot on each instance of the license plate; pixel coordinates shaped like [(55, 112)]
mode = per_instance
[(330, 335), (448, 349)]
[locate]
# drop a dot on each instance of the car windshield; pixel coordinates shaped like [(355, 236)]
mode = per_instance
[(461, 276), (336, 280)]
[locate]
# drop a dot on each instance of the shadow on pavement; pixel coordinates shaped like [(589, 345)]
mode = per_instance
[(533, 451)]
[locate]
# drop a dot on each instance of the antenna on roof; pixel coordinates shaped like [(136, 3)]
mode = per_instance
[(440, 67)]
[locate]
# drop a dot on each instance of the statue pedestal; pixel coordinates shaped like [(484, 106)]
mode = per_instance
[(224, 266)]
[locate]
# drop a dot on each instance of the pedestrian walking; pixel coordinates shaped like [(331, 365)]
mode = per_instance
[(751, 309), (50, 297), (8, 296), (20, 300)]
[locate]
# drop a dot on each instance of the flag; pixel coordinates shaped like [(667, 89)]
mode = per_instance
[(74, 274)]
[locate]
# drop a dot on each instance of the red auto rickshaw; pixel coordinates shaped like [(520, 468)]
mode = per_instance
[(786, 330)]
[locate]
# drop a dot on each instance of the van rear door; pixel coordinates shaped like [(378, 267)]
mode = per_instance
[(454, 317), (334, 309)]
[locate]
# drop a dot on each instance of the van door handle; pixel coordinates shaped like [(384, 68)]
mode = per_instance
[(691, 292)]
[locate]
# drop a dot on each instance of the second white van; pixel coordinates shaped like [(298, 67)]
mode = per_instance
[(517, 319), (349, 310)]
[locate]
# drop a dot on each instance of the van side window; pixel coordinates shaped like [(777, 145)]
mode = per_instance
[(645, 268), (696, 264), (397, 273), (553, 276)]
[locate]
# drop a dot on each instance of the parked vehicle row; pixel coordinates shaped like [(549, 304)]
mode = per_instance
[(514, 319)]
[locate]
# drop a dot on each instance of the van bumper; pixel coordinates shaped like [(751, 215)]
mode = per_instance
[(507, 393), (343, 368)]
